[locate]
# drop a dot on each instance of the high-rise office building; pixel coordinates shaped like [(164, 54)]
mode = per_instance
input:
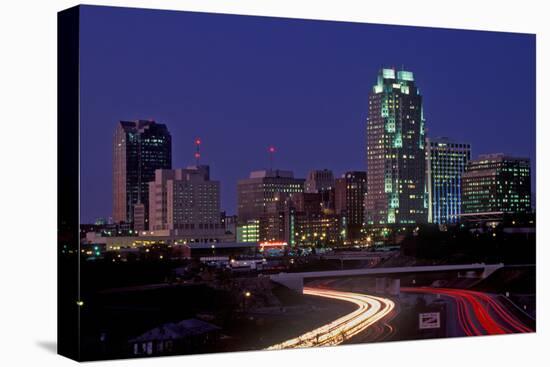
[(496, 183), (446, 161), (186, 202), (350, 191), (299, 218), (139, 148), (328, 200), (319, 180), (275, 222), (396, 160), (229, 223), (255, 192), (312, 223)]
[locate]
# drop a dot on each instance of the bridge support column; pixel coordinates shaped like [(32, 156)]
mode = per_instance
[(388, 286), (394, 287), (291, 282), (380, 285)]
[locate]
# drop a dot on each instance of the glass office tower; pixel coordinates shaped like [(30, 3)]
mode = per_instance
[(446, 161), (139, 148)]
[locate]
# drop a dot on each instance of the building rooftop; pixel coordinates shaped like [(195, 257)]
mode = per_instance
[(180, 330), (271, 173), (392, 73), (499, 157), (392, 80), (444, 140), (139, 125), (220, 245)]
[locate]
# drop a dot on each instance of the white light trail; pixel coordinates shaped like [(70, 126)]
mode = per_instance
[(370, 310)]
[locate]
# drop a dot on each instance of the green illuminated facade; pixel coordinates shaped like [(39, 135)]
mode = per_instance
[(496, 183), (396, 187), (249, 232)]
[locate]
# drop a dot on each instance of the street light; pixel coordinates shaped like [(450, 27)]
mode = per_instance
[(247, 294)]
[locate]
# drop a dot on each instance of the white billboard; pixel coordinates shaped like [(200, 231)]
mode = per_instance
[(429, 320)]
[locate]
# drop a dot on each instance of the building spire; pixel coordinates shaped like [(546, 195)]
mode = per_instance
[(271, 151), (197, 151)]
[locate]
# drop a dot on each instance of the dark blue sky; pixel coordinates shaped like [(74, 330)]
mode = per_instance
[(243, 83)]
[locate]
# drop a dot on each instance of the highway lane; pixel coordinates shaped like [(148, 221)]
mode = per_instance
[(379, 331), (370, 309), (478, 313)]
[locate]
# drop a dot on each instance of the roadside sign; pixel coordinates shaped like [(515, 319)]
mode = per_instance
[(430, 320)]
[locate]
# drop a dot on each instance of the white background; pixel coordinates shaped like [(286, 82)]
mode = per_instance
[(28, 180)]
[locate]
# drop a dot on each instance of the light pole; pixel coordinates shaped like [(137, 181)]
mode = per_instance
[(247, 294)]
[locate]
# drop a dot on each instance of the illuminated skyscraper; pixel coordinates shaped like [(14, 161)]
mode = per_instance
[(139, 148), (496, 183), (396, 189), (445, 163)]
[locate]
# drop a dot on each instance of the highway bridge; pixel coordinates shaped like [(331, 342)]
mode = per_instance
[(295, 281), (353, 255)]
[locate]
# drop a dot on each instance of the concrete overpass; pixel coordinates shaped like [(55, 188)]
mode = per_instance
[(350, 255), (295, 281), (358, 256)]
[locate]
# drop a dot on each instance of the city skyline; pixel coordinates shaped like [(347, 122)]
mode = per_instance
[(236, 183), (229, 111)]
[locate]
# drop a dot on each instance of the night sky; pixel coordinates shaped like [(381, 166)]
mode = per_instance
[(244, 83)]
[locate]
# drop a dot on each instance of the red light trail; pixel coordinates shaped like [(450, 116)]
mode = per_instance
[(478, 313)]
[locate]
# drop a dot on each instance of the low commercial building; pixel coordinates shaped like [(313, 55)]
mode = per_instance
[(187, 336), (318, 229), (249, 231)]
